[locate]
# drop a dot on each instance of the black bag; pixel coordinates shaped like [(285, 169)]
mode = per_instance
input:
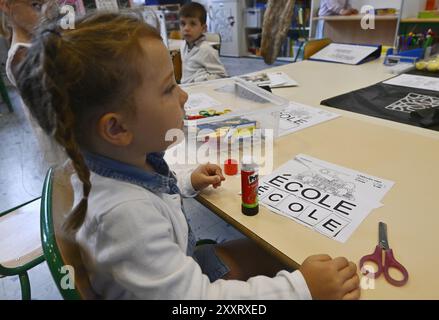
[(412, 106)]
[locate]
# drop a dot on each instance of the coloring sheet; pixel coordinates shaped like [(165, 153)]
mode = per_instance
[(298, 116), (198, 101), (281, 79), (327, 198), (412, 81), (344, 53), (107, 5), (273, 79)]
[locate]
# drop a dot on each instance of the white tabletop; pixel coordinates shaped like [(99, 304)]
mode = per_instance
[(407, 155)]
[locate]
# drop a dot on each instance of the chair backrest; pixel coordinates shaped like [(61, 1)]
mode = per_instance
[(175, 34), (214, 37), (314, 46), (61, 253)]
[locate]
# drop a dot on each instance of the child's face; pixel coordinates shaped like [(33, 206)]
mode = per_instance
[(159, 100), (191, 28)]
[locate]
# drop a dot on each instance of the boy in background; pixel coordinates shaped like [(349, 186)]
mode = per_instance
[(200, 60)]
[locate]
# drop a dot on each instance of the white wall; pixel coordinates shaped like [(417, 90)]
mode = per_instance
[(377, 3), (412, 7)]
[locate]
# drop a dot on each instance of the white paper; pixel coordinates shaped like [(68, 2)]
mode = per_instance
[(298, 116), (281, 79), (344, 53), (328, 198), (107, 5), (412, 81), (198, 101), (273, 79)]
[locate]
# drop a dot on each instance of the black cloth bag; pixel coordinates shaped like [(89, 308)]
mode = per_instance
[(412, 106)]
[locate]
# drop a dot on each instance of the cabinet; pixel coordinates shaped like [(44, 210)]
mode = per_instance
[(171, 15), (226, 18)]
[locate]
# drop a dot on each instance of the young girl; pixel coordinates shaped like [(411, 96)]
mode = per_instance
[(106, 91)]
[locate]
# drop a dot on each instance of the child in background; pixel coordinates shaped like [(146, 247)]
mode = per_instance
[(107, 92), (20, 17), (333, 8), (200, 60)]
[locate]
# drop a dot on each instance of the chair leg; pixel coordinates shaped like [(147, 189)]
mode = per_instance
[(5, 95), (25, 286)]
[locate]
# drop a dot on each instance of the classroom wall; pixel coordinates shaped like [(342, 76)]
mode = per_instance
[(412, 7), (377, 3)]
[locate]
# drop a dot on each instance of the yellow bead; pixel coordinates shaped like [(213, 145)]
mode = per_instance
[(421, 65), (433, 66)]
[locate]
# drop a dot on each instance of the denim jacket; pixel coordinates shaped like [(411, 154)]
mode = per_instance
[(163, 180)]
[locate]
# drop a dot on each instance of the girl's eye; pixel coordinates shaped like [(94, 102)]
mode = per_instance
[(37, 5), (170, 89)]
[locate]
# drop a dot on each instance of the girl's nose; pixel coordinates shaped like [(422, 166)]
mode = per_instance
[(183, 97)]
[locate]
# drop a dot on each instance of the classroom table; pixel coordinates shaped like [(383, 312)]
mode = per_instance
[(407, 155)]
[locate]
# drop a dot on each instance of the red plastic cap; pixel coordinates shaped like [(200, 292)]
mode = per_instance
[(230, 167)]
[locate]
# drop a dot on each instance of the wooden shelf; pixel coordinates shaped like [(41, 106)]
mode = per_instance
[(355, 17), (420, 20)]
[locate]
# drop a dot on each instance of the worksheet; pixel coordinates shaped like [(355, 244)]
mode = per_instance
[(281, 80), (298, 116), (107, 5), (344, 53), (199, 101), (413, 81), (325, 197), (273, 79)]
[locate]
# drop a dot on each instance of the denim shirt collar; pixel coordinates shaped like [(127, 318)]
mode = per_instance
[(196, 43), (160, 181)]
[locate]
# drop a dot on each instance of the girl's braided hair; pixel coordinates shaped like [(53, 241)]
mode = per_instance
[(70, 78)]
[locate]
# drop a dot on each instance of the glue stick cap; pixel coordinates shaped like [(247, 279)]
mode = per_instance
[(230, 167), (247, 163), (247, 160)]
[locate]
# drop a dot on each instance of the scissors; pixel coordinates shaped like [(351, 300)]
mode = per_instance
[(389, 260)]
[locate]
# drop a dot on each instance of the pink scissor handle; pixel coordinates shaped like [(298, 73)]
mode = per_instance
[(390, 262), (375, 257)]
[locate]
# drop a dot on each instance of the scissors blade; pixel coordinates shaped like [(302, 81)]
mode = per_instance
[(382, 230)]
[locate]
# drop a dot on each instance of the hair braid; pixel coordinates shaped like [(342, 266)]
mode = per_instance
[(64, 131)]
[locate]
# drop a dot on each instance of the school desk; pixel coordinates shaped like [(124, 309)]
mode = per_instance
[(407, 155), (347, 29)]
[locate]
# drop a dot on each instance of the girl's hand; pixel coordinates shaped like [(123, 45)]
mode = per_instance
[(330, 279), (206, 175)]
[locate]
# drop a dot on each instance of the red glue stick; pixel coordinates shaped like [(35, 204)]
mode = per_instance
[(249, 187)]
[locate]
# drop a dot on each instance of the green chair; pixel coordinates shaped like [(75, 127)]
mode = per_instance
[(20, 246), (62, 255), (5, 95)]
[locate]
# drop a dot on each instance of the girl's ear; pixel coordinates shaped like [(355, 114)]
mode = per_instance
[(204, 27), (112, 129)]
